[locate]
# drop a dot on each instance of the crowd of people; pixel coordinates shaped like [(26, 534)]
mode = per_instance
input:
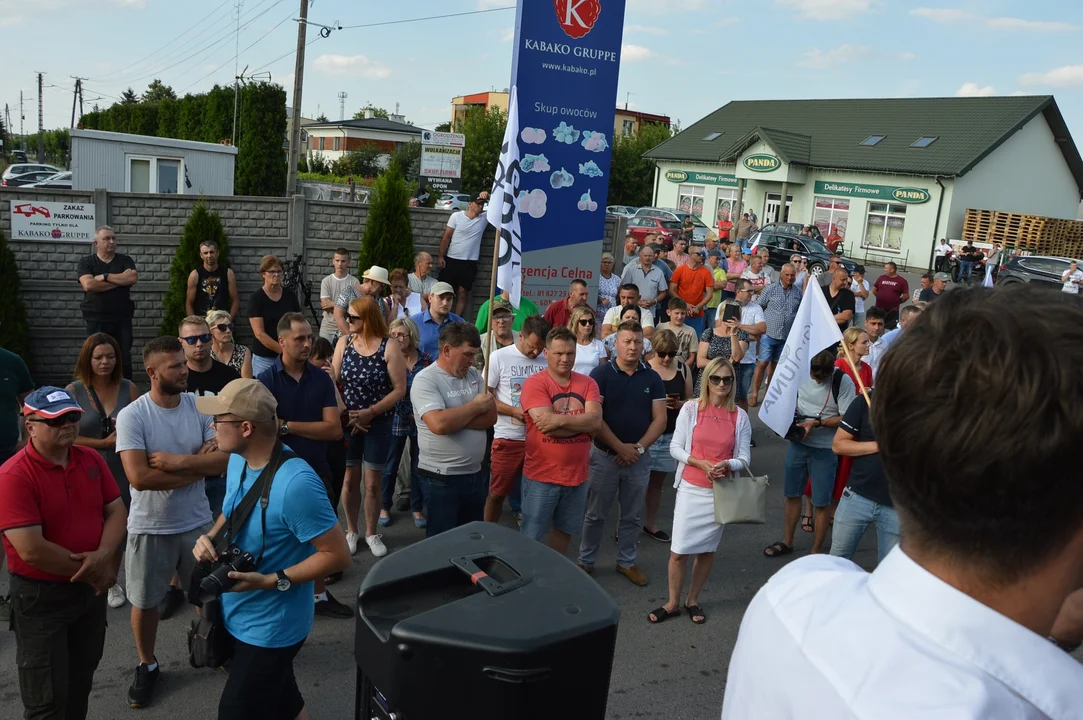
[(548, 412)]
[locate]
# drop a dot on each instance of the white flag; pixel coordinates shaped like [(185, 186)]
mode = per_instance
[(503, 212), (813, 330), (755, 245), (988, 281)]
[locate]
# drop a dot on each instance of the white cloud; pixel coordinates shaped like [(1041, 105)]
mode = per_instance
[(940, 15), (634, 53), (906, 56), (1057, 77), (945, 16), (1008, 23), (351, 66), (725, 22), (507, 35), (286, 81), (646, 29), (842, 55), (827, 9), (972, 89)]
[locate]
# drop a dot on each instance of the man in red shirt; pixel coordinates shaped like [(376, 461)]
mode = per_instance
[(693, 283), (561, 311), (891, 291), (62, 521), (563, 410)]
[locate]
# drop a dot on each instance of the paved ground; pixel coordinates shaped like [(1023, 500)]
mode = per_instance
[(675, 671)]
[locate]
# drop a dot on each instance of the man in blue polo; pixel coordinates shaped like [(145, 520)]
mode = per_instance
[(308, 420), (431, 321), (633, 417)]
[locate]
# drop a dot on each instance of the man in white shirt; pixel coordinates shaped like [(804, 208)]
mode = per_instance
[(943, 251), (1071, 278), (874, 327), (756, 275), (420, 280), (860, 287), (460, 248), (957, 621), (753, 322), (330, 287), (628, 294)]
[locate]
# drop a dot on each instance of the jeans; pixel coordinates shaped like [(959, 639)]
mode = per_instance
[(59, 637), (804, 462), (391, 472), (745, 371), (546, 504), (121, 331), (608, 480), (852, 518), (966, 267), (696, 323), (453, 500), (260, 363), (709, 316)]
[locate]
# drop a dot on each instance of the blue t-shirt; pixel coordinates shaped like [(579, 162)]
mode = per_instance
[(297, 512), (430, 331)]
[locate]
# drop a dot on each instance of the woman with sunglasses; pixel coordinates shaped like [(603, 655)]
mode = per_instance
[(801, 267), (404, 427), (710, 442), (590, 352), (628, 313), (265, 308), (372, 375), (102, 392), (725, 340), (223, 349), (677, 377)]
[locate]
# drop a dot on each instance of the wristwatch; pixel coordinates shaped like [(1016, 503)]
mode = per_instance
[(284, 583), (639, 448), (284, 430)]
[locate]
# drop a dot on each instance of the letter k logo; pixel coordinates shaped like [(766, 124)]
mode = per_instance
[(577, 17)]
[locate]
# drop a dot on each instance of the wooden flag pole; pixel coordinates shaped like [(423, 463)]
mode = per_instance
[(857, 374), (492, 298)]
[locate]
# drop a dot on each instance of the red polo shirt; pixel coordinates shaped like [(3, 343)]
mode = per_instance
[(67, 502), (559, 314)]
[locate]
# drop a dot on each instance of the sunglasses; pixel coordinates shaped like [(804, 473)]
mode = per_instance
[(352, 318), (68, 418), (204, 338), (665, 354), (586, 321), (224, 327), (216, 421), (717, 380)]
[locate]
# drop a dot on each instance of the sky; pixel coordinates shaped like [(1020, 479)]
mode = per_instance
[(681, 58)]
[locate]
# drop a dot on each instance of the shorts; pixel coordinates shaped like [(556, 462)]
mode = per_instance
[(369, 449), (261, 684), (770, 348), (661, 460), (151, 560), (459, 273), (506, 465), (745, 371), (548, 504), (804, 463)]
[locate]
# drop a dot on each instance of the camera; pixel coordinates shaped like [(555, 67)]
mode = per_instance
[(109, 426), (796, 433), (218, 580)]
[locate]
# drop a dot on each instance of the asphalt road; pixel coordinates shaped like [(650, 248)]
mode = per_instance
[(675, 671)]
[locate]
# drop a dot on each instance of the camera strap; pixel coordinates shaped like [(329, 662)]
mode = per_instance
[(97, 402), (260, 491)]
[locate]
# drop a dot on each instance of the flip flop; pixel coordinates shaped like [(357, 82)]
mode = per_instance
[(695, 611), (777, 550), (807, 524), (661, 615)]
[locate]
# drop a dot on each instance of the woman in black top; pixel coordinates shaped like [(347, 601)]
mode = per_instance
[(265, 309), (677, 377)]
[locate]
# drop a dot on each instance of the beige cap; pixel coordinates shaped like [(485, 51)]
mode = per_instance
[(246, 398), (442, 288)]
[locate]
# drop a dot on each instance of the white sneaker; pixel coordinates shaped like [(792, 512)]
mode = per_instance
[(351, 540), (376, 545), (116, 596)]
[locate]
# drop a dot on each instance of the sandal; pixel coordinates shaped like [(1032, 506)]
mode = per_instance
[(661, 615), (695, 611), (807, 524), (777, 550)]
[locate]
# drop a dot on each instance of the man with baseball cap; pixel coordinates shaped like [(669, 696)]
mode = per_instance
[(940, 282), (295, 539), (460, 247), (429, 322), (374, 284), (62, 522)]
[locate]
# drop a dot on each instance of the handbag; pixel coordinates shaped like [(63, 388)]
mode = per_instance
[(740, 499)]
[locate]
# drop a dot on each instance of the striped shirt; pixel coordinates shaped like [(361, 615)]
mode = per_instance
[(780, 308)]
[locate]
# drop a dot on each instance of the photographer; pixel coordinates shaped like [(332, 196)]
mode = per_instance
[(294, 540), (821, 402)]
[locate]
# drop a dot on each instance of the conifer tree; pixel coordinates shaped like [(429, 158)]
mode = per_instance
[(203, 224), (388, 240)]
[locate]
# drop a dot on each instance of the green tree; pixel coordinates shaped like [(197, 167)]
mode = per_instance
[(261, 164), (14, 325), (144, 119), (190, 117), (408, 155), (128, 97), (218, 114), (484, 130), (388, 240), (317, 163), (5, 146), (203, 224), (361, 163), (157, 91), (376, 112), (631, 176), (321, 118), (302, 164), (169, 118), (443, 127)]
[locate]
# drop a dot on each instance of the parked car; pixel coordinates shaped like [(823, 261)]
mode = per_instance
[(19, 156), (625, 211), (781, 246), (30, 178), (19, 169), (453, 201), (699, 234), (789, 228), (1043, 270), (59, 181), (667, 230)]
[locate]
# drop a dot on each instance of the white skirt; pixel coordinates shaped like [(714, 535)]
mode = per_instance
[(694, 528)]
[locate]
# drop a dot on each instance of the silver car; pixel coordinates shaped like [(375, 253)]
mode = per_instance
[(24, 168), (59, 181), (453, 201), (625, 211)]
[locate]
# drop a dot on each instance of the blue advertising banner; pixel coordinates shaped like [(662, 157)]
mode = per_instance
[(565, 68)]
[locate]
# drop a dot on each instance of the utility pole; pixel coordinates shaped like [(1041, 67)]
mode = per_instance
[(22, 116), (236, 66), (41, 121), (80, 100), (75, 98), (298, 81), (342, 105)]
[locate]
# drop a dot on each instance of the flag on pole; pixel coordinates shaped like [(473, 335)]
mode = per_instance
[(813, 330), (503, 211), (755, 244), (988, 281)]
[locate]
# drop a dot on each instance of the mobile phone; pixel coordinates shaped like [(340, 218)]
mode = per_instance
[(731, 311)]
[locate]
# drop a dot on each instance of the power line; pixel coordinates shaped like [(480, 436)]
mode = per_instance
[(260, 38), (285, 55), (428, 17)]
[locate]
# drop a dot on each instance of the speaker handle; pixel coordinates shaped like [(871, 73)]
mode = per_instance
[(469, 565)]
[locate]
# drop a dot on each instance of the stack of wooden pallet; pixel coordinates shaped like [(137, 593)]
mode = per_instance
[(1033, 234)]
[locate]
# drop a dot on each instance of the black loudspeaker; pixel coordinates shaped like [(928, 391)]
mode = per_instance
[(482, 622)]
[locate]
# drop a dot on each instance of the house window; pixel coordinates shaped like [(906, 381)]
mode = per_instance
[(872, 140), (155, 175), (713, 136), (923, 142), (726, 199), (336, 144), (629, 127), (884, 227), (831, 216), (690, 199)]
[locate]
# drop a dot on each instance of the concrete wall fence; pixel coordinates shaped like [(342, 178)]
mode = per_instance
[(149, 228)]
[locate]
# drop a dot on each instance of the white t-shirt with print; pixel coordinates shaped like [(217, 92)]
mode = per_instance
[(859, 302), (612, 315), (759, 281), (466, 239), (509, 369), (1071, 280), (752, 314)]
